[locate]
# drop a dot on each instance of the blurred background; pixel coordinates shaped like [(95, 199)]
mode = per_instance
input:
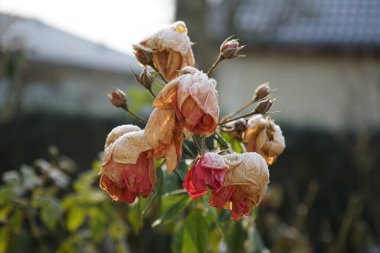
[(59, 59)]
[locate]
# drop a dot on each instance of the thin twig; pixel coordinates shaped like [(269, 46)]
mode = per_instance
[(243, 116), (242, 108), (134, 115), (218, 60), (158, 72)]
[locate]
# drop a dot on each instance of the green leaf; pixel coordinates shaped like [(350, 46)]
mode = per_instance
[(5, 211), (176, 244), (50, 213), (75, 218), (4, 238), (30, 178), (16, 221), (235, 237), (6, 195), (236, 145), (195, 233), (98, 224), (157, 192), (171, 208)]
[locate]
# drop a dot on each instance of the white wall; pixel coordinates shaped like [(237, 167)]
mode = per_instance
[(323, 91)]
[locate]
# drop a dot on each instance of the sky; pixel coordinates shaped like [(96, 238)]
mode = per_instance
[(115, 23)]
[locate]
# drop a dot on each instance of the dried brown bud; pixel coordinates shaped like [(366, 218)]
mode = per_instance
[(262, 91), (144, 79), (264, 105), (230, 48), (143, 54), (118, 98)]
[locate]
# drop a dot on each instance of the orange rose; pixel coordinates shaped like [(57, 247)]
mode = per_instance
[(194, 99), (245, 184), (170, 48), (165, 135), (127, 171), (264, 137)]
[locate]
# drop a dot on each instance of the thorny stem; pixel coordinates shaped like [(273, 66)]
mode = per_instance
[(220, 58), (125, 108), (243, 116), (248, 104)]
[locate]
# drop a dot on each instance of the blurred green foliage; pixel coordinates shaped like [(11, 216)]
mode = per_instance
[(49, 207)]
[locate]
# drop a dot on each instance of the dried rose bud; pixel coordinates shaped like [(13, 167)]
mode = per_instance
[(262, 91), (118, 98), (230, 48), (144, 79), (143, 54), (264, 105)]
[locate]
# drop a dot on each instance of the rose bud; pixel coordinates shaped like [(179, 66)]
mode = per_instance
[(264, 105), (165, 135), (118, 98), (143, 54), (171, 50), (208, 171), (264, 137), (127, 171), (262, 91), (245, 184), (194, 99), (144, 79), (230, 48)]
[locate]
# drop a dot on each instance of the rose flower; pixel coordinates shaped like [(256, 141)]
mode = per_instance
[(164, 134), (127, 171), (194, 99), (209, 170), (170, 49), (264, 137), (244, 186)]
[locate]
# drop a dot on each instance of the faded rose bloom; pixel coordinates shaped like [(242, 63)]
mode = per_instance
[(165, 135), (209, 170), (127, 170), (245, 184), (194, 99), (171, 49), (264, 137)]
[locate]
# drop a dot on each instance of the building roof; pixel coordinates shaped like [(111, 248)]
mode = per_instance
[(306, 22), (45, 43)]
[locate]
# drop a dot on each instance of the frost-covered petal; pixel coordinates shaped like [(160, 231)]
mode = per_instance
[(128, 147), (119, 131)]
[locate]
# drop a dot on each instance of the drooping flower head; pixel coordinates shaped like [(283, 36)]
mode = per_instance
[(194, 99), (208, 171), (244, 186), (127, 170), (264, 137), (165, 135), (170, 48)]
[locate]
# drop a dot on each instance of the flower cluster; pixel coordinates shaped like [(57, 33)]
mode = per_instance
[(188, 103)]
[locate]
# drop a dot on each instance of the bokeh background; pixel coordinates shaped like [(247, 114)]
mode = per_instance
[(58, 59)]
